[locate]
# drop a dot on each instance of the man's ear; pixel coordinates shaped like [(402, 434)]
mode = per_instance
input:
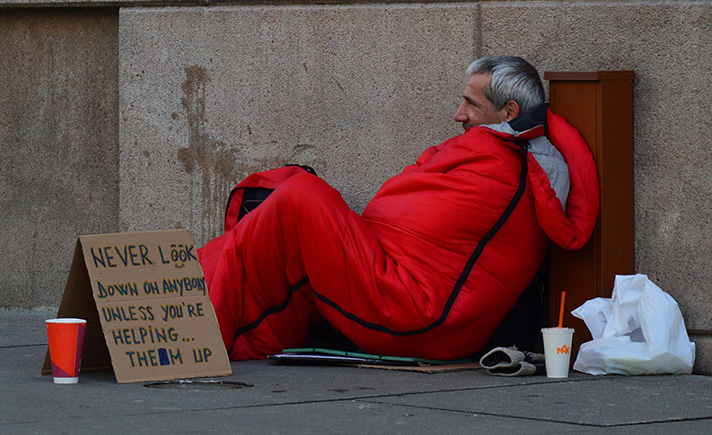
[(511, 110)]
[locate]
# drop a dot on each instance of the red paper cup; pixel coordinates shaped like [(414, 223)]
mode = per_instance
[(66, 339)]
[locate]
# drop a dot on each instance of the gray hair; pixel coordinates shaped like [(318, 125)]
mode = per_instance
[(513, 78)]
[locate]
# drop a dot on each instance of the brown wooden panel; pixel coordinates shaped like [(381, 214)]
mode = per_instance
[(573, 101), (616, 175), (600, 105), (588, 75)]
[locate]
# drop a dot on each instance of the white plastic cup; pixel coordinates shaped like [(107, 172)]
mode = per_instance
[(557, 351), (66, 341)]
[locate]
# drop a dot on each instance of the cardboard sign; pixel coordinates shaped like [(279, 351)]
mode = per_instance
[(147, 307)]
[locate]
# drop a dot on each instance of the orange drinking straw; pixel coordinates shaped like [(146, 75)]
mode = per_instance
[(561, 311)]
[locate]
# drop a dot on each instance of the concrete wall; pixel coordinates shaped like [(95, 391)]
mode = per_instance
[(59, 144), (209, 95), (142, 118)]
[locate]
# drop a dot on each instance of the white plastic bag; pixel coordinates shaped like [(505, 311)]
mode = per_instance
[(638, 331)]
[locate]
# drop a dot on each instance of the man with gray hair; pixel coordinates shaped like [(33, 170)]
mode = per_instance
[(438, 257), (505, 93), (498, 89)]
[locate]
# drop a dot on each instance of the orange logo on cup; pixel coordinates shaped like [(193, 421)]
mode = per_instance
[(562, 349)]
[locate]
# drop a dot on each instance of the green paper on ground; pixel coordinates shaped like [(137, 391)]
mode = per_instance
[(333, 356)]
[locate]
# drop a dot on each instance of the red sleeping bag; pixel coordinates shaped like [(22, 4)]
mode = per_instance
[(429, 269)]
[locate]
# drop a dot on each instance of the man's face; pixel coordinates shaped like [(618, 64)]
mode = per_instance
[(476, 109)]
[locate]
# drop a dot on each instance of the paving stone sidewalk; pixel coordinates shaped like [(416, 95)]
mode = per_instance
[(263, 397)]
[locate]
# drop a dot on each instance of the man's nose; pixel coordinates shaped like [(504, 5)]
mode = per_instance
[(461, 114)]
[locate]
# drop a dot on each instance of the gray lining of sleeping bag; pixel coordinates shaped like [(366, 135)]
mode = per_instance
[(548, 157)]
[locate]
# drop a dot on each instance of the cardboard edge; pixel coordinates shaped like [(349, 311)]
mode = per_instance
[(426, 369), (78, 301)]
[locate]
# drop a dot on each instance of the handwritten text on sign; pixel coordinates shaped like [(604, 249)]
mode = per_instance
[(153, 305)]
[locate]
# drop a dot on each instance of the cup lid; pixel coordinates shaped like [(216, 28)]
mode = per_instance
[(555, 330), (66, 320)]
